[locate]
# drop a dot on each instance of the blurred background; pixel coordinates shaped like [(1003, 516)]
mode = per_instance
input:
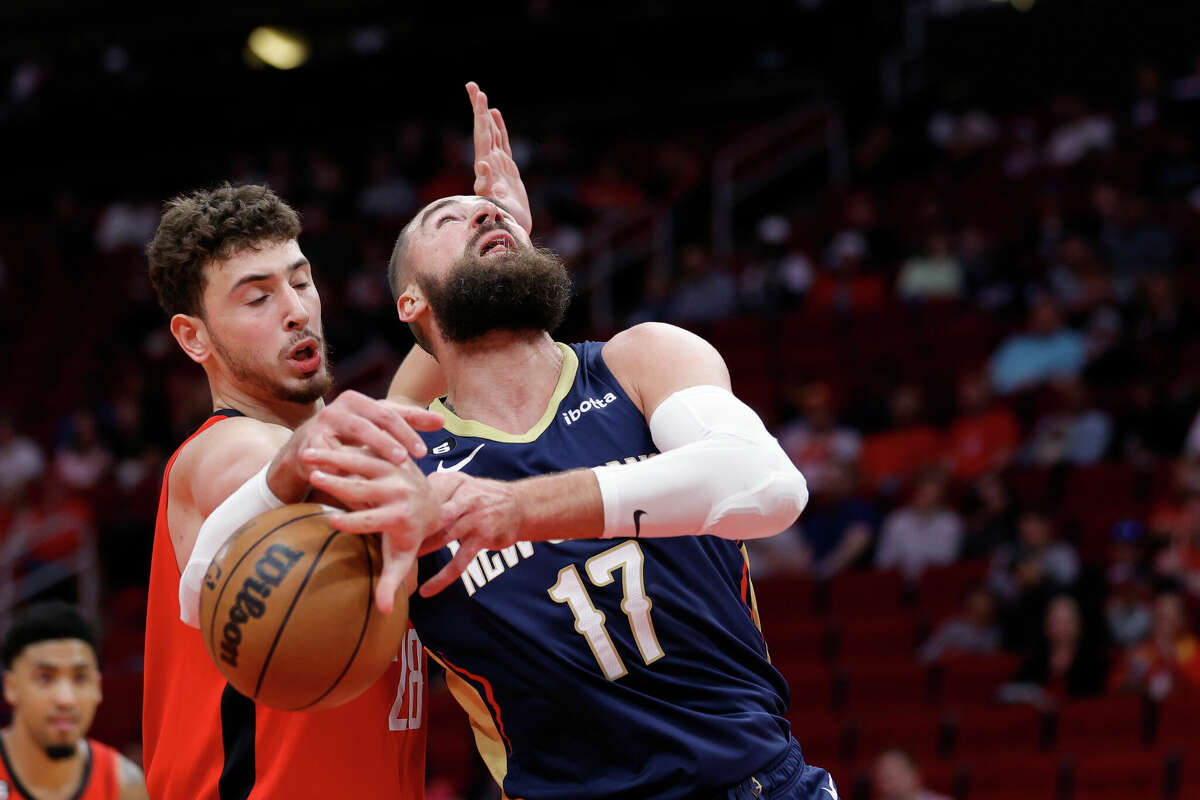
[(947, 247)]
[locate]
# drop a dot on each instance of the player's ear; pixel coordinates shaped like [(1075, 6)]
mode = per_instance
[(10, 691), (411, 303), (192, 335)]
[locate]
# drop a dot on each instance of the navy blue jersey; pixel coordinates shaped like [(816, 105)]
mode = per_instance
[(602, 667)]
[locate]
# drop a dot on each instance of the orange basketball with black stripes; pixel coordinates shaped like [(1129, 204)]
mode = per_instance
[(288, 611)]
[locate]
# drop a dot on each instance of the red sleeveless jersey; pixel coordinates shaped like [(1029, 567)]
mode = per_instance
[(99, 782), (202, 740)]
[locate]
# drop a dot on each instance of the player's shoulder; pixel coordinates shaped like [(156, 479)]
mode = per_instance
[(653, 359), (650, 341), (229, 437)]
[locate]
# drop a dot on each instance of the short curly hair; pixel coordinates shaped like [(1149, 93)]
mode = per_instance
[(211, 225)]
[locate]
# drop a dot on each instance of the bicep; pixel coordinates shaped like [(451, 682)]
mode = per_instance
[(419, 379), (654, 360)]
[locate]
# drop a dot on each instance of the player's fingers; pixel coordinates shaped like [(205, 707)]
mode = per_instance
[(483, 179), (436, 542), (502, 130), (483, 125), (354, 491), (345, 461), (400, 420), (350, 427), (450, 572), (396, 566)]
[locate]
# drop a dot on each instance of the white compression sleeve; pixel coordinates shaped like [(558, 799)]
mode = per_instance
[(719, 472), (252, 498)]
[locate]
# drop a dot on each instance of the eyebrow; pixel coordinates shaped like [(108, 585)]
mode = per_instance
[(263, 276), (445, 201)]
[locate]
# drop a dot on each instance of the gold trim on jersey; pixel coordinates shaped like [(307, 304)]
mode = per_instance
[(754, 601), (469, 427), (487, 735)]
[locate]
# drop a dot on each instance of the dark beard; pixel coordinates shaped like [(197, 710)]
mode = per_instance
[(61, 752), (526, 289)]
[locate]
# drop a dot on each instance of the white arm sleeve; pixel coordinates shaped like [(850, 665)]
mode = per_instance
[(719, 472), (249, 500)]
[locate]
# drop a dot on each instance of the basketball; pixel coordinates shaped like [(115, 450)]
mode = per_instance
[(288, 611)]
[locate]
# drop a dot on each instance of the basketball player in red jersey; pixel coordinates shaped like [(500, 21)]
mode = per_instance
[(229, 271), (52, 682)]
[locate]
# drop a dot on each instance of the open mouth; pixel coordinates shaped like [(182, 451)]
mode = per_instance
[(306, 354), (497, 242)]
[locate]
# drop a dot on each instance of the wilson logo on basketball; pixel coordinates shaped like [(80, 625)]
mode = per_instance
[(271, 569)]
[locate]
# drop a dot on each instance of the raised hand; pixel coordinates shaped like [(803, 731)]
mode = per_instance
[(496, 174), (384, 497)]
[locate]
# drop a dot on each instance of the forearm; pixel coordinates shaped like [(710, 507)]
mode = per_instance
[(565, 505), (418, 380)]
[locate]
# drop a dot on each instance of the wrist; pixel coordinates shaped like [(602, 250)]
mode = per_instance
[(285, 479)]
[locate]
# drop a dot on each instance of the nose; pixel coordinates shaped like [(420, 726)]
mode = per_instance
[(484, 212), (64, 693), (296, 313)]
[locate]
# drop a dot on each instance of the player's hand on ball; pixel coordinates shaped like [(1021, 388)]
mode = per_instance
[(386, 428), (384, 497), (479, 513), (496, 174)]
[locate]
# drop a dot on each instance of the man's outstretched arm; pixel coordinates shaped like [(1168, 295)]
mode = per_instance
[(719, 471)]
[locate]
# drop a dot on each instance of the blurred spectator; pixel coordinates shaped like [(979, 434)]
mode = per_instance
[(387, 193), (924, 533), (984, 436), (124, 224), (1145, 108), (991, 518), (83, 460), (1078, 132), (1036, 559), (846, 285), (841, 525), (705, 292), (656, 298), (21, 461), (779, 276), (1169, 661), (1136, 245), (1067, 660), (815, 442), (1047, 350), (1077, 434), (896, 777), (1163, 319), (892, 457), (973, 632), (934, 274), (1128, 614)]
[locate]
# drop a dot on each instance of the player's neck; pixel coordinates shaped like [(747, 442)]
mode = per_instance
[(279, 412), (504, 379), (38, 772)]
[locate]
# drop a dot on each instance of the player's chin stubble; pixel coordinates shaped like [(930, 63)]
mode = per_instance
[(313, 388)]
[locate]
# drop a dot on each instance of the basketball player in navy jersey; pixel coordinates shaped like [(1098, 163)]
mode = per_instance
[(587, 591)]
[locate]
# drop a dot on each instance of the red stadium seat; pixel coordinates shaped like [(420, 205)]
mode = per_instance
[(974, 679), (1108, 724), (866, 639), (866, 593), (942, 588), (876, 685), (1012, 775), (1121, 772), (1011, 729)]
